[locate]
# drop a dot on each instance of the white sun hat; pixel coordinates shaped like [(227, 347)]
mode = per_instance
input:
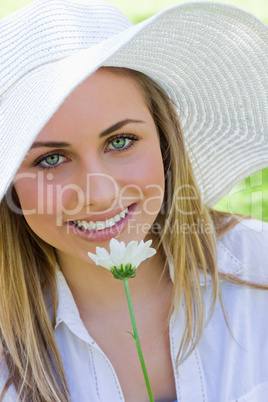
[(210, 58)]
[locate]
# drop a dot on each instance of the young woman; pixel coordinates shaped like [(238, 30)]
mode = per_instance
[(112, 131)]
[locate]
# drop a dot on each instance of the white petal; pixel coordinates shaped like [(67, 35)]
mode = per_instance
[(116, 245), (143, 252), (119, 254), (94, 257), (104, 262), (130, 252), (102, 252), (117, 251)]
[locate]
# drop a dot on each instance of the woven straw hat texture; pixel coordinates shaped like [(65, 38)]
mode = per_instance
[(211, 59)]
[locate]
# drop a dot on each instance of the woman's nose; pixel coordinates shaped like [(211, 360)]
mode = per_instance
[(99, 186), (101, 189)]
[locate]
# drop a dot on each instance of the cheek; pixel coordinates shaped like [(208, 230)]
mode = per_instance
[(32, 198), (39, 194), (27, 192), (145, 179), (148, 169)]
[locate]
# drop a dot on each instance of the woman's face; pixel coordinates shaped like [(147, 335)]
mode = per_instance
[(95, 171)]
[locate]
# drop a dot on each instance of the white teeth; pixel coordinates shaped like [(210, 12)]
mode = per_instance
[(110, 222), (84, 225), (92, 225), (100, 225), (117, 218)]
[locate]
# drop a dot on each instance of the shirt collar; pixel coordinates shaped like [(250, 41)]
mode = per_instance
[(227, 262), (67, 311), (66, 304)]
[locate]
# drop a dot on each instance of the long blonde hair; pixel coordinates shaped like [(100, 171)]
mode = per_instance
[(28, 285), (28, 276)]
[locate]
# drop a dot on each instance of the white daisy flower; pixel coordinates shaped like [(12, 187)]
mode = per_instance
[(123, 260)]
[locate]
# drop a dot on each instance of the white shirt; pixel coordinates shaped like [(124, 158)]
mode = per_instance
[(224, 367)]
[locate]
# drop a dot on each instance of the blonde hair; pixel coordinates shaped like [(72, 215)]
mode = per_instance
[(28, 286), (28, 277)]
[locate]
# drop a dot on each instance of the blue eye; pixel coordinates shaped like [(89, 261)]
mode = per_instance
[(50, 161), (121, 142)]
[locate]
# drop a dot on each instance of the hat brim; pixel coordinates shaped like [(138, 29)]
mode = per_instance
[(211, 59)]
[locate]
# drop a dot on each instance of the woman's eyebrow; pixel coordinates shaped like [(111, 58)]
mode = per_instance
[(118, 125), (50, 144), (109, 130)]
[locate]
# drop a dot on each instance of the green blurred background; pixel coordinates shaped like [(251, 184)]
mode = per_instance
[(249, 197)]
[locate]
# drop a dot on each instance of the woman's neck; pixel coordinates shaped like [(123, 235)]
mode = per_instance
[(95, 290)]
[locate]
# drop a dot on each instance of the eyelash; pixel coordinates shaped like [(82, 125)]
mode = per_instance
[(38, 161), (131, 137)]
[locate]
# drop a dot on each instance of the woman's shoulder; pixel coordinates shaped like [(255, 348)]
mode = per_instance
[(247, 232), (245, 249), (10, 394), (234, 340)]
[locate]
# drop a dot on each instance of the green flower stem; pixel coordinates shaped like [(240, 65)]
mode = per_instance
[(136, 338)]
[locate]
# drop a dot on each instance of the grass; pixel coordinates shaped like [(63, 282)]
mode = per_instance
[(250, 197)]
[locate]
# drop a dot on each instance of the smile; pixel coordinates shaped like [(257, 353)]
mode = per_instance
[(100, 225)]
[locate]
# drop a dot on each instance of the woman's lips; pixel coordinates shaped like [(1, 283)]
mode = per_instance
[(96, 231)]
